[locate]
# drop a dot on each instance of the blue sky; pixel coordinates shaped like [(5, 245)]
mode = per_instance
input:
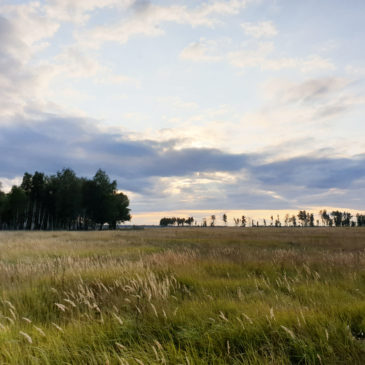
[(190, 105)]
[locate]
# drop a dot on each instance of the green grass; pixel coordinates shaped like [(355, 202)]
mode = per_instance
[(183, 296)]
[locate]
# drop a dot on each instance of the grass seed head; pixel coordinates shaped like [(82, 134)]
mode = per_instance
[(26, 336)]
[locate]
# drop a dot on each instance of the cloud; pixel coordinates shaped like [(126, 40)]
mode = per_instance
[(79, 11), (312, 172), (25, 78), (171, 178), (30, 23), (253, 55), (148, 18), (318, 98), (58, 141), (6, 184), (19, 83), (75, 62), (201, 51), (262, 58), (260, 30), (233, 156), (308, 91)]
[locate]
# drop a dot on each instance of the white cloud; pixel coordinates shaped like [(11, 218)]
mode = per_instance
[(148, 19), (315, 62), (260, 30), (75, 62), (20, 83), (251, 57), (262, 57), (6, 184), (78, 11), (201, 51), (29, 22)]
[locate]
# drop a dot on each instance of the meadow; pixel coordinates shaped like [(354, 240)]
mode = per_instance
[(183, 296)]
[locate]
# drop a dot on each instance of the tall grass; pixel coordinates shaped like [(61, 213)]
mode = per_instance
[(183, 296)]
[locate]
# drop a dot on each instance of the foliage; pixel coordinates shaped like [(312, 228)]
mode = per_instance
[(176, 221), (63, 201)]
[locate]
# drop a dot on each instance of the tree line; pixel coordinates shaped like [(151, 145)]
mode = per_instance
[(335, 218), (63, 201), (176, 221)]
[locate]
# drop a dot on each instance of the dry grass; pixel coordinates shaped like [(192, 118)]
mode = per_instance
[(183, 296)]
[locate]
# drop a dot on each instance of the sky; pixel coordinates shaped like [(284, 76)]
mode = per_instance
[(192, 106)]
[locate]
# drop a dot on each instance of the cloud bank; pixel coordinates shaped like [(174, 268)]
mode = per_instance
[(188, 177)]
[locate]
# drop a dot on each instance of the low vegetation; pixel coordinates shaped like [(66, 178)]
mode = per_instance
[(183, 296)]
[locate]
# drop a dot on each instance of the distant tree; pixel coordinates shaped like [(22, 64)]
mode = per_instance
[(272, 221), (325, 217), (180, 221), (311, 220), (243, 221), (303, 218), (346, 219), (293, 220), (204, 222), (164, 222), (277, 221), (360, 219), (337, 217), (224, 218), (189, 221), (212, 218), (265, 222), (287, 220)]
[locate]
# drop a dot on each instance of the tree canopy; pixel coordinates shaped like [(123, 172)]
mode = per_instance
[(63, 201)]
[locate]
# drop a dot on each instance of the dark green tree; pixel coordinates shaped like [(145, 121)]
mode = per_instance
[(337, 217), (303, 217), (15, 208), (63, 201), (119, 211), (66, 191)]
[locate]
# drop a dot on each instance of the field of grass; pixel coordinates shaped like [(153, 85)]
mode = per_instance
[(183, 296)]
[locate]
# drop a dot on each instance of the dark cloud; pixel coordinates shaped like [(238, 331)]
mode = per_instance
[(76, 143), (311, 172), (52, 143)]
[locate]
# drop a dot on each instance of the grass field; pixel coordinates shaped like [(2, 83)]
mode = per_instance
[(183, 296)]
